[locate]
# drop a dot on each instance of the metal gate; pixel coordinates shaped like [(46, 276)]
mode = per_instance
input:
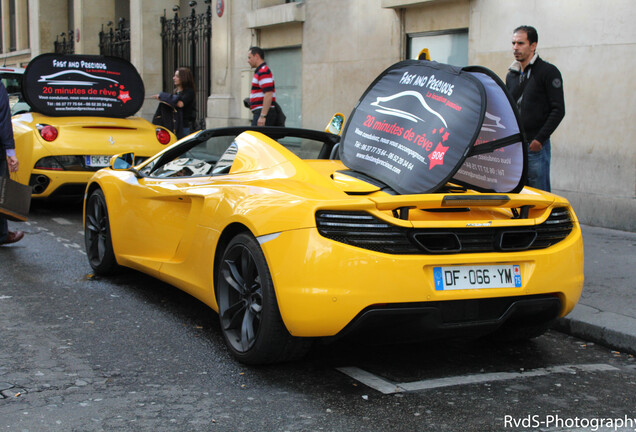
[(115, 42), (186, 43), (66, 45)]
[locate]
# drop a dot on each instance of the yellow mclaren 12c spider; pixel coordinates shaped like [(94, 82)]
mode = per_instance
[(412, 224)]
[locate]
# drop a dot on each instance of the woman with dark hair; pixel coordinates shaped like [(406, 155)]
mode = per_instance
[(183, 100)]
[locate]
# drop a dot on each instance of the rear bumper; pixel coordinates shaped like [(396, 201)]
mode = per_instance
[(422, 321), (323, 286), (49, 183)]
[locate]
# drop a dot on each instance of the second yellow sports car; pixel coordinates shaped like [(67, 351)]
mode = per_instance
[(69, 124), (287, 242)]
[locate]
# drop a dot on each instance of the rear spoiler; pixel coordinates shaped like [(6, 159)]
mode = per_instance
[(520, 204)]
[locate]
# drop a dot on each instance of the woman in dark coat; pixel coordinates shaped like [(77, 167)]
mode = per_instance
[(183, 100)]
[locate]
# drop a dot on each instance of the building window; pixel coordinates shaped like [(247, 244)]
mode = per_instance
[(286, 65), (449, 47), (13, 40)]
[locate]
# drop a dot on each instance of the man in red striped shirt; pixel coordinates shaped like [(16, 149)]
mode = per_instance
[(263, 94)]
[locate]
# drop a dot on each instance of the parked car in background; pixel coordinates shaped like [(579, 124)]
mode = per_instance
[(12, 80), (65, 131)]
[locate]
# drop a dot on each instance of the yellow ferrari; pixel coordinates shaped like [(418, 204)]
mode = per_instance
[(289, 237), (67, 122), (58, 155)]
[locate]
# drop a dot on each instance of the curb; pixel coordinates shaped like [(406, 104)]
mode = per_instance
[(606, 328)]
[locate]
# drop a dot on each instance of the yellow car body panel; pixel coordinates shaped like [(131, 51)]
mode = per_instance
[(322, 291), (171, 228), (77, 136)]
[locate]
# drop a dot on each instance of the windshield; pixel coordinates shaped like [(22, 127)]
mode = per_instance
[(13, 84)]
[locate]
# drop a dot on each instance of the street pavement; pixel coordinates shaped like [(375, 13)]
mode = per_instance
[(606, 312)]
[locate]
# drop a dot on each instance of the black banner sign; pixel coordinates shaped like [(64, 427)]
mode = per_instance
[(503, 166), (82, 85), (416, 124)]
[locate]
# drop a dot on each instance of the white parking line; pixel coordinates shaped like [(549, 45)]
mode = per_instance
[(371, 380), (388, 387), (62, 221)]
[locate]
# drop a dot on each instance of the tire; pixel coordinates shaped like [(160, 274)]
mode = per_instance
[(99, 246), (248, 310)]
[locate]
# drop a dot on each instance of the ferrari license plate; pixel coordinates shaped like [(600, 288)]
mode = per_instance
[(477, 277), (97, 160)]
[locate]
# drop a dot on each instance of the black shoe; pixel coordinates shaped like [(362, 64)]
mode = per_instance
[(13, 237)]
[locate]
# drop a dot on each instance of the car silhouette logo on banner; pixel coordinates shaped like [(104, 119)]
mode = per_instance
[(419, 121), (54, 79), (83, 85), (383, 104)]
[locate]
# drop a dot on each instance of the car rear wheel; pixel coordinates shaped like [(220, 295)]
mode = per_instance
[(250, 319), (99, 247)]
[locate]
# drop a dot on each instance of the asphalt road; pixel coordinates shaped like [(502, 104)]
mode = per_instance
[(129, 353)]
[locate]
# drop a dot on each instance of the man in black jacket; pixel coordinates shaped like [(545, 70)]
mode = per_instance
[(537, 87)]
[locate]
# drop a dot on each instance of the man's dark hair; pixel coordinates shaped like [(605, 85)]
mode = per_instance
[(533, 36), (258, 51)]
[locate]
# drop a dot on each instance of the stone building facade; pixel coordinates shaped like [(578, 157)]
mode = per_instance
[(324, 53)]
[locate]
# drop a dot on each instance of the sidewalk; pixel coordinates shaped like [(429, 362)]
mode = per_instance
[(606, 312)]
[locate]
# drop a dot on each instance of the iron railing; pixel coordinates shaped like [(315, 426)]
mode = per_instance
[(115, 41), (66, 45)]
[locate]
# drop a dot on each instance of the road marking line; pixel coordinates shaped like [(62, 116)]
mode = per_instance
[(388, 387), (370, 380), (62, 221)]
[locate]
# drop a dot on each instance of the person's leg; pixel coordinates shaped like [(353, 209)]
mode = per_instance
[(4, 226), (255, 115), (538, 168)]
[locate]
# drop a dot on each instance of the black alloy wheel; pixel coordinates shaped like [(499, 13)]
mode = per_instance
[(250, 319), (99, 247)]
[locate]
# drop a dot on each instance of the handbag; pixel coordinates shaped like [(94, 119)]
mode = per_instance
[(15, 199), (280, 115), (166, 116)]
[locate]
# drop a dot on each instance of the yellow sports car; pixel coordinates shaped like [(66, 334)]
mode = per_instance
[(292, 234), (75, 113)]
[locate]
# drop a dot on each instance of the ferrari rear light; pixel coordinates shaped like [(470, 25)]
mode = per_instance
[(48, 132), (162, 136)]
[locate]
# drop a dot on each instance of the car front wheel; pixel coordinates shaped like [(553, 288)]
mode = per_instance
[(99, 247), (250, 319)]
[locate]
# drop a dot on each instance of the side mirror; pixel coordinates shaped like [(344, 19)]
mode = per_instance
[(424, 54), (122, 161), (336, 124)]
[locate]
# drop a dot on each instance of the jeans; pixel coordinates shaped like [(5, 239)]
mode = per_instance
[(4, 225), (539, 168)]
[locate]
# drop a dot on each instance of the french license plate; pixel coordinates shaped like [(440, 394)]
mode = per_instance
[(477, 277), (97, 160)]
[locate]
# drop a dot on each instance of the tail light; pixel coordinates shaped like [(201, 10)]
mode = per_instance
[(163, 136), (48, 132)]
